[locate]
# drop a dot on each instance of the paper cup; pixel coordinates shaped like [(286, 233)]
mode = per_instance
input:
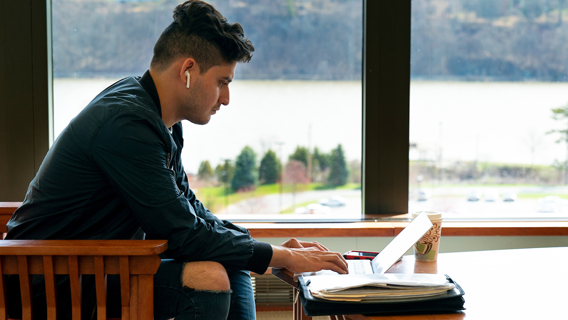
[(426, 249)]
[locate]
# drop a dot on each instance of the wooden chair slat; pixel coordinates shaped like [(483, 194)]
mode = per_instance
[(135, 261), (3, 313), (146, 296), (138, 264), (100, 285), (125, 287), (25, 288), (75, 281), (134, 297), (50, 292)]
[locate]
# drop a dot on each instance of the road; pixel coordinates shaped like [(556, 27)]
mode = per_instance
[(452, 201), (270, 206)]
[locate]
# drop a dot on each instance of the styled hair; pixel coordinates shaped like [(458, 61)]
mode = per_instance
[(201, 32)]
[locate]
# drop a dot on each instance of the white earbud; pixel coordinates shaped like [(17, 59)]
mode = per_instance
[(188, 76)]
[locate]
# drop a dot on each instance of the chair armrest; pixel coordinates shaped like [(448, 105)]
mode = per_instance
[(82, 247), (6, 211)]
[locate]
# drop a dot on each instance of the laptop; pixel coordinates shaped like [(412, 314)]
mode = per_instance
[(394, 250)]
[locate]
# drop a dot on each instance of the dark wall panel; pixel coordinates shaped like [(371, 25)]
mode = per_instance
[(20, 149), (386, 103)]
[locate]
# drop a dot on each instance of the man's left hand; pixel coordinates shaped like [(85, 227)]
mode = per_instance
[(295, 243)]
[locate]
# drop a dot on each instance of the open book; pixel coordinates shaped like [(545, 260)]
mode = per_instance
[(377, 287)]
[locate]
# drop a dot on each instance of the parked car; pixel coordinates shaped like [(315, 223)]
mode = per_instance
[(491, 196), (509, 196), (335, 201), (550, 204), (474, 195), (423, 195)]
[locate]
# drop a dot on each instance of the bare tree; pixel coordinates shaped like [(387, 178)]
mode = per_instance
[(533, 141), (295, 173)]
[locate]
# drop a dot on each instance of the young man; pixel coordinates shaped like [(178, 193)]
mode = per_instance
[(115, 172)]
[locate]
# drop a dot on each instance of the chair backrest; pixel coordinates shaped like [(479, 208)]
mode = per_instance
[(6, 211), (136, 261)]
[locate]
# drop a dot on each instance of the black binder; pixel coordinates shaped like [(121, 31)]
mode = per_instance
[(451, 301)]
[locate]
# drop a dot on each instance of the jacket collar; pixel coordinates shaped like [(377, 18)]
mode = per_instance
[(148, 84)]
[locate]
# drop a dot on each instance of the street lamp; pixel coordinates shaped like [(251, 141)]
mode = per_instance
[(419, 179), (279, 144), (225, 174)]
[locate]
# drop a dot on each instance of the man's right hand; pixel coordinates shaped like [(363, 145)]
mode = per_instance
[(307, 258)]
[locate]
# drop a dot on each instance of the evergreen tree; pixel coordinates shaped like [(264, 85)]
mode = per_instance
[(224, 172), (321, 158), (561, 114), (205, 172), (270, 168), (246, 175), (338, 173), (300, 154)]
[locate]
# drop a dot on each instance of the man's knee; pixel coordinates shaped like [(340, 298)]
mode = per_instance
[(206, 275)]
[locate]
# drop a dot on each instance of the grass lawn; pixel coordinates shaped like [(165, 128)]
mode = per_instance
[(216, 198), (541, 195)]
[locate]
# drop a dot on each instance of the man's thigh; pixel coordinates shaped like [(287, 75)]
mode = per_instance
[(173, 300)]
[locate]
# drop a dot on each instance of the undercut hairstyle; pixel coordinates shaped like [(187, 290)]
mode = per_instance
[(201, 32)]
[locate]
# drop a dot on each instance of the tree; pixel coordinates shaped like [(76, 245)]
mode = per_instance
[(294, 173), (485, 8), (300, 154), (355, 171), (533, 141), (224, 172), (246, 174), (321, 158), (205, 172), (561, 114), (270, 168), (338, 173)]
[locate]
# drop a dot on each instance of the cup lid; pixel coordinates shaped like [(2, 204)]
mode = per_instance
[(432, 215)]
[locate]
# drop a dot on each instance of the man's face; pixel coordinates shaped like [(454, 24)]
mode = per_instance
[(208, 91)]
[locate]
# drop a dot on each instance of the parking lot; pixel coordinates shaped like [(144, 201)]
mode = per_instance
[(530, 203)]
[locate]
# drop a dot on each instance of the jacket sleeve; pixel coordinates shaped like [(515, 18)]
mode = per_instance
[(132, 156), (183, 185)]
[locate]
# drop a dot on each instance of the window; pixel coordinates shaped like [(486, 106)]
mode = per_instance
[(385, 101), (488, 108), (288, 146)]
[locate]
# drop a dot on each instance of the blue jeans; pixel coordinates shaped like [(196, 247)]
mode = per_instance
[(173, 300)]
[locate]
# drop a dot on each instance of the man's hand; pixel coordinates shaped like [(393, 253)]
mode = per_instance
[(302, 256), (295, 243)]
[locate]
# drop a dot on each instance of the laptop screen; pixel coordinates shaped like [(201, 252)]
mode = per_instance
[(401, 243)]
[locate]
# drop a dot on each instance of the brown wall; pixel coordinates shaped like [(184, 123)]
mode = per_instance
[(24, 94)]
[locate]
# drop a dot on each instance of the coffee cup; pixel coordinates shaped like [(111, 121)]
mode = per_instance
[(426, 249)]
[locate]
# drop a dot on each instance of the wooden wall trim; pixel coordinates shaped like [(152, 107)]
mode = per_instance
[(375, 229), (390, 229)]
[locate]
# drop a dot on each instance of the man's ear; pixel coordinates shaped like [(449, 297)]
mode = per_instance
[(190, 65)]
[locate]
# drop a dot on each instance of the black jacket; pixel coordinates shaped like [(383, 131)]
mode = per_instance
[(116, 170)]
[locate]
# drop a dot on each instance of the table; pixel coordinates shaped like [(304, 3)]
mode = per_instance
[(500, 284)]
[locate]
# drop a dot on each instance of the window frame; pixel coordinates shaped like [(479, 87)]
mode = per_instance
[(386, 101), (385, 96)]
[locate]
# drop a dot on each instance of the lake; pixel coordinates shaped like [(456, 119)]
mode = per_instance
[(484, 121)]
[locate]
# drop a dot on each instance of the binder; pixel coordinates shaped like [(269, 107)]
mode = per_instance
[(451, 301)]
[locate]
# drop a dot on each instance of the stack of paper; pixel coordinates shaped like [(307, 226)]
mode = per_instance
[(393, 287)]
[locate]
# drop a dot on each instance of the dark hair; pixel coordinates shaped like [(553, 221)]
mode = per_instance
[(201, 32)]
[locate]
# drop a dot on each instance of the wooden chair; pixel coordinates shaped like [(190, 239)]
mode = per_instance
[(136, 261)]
